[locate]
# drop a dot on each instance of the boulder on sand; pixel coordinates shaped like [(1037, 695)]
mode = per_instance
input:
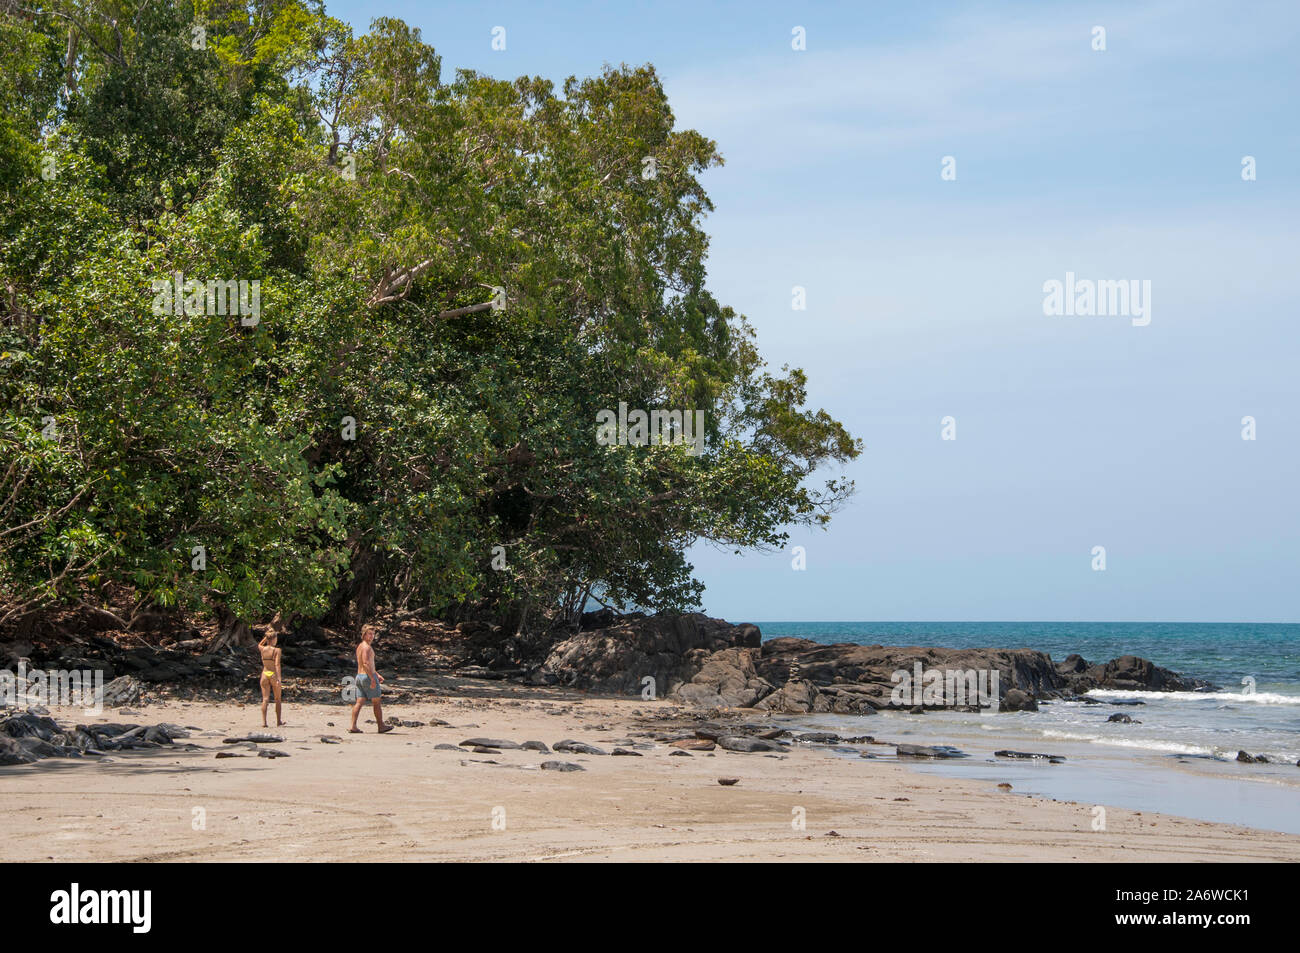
[(727, 679), (122, 691), (671, 649)]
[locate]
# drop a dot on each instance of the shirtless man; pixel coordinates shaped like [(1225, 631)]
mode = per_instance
[(368, 681)]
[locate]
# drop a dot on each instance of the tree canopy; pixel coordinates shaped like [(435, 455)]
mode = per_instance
[(445, 280)]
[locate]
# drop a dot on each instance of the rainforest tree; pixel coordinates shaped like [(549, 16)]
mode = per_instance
[(293, 322)]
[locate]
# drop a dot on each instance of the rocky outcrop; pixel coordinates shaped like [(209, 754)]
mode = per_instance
[(1126, 673), (708, 663), (672, 650), (859, 678)]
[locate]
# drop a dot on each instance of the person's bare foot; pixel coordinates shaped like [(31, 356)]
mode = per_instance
[(383, 728), (354, 731)]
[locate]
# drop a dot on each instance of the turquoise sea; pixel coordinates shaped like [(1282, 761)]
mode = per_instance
[(1179, 757)]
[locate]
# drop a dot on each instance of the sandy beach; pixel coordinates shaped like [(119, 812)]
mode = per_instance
[(398, 797)]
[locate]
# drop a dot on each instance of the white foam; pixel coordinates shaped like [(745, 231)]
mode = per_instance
[(1173, 747), (1254, 698)]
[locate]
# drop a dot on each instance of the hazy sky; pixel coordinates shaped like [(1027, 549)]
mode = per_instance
[(925, 295)]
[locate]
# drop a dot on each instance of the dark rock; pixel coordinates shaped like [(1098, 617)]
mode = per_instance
[(818, 737), (122, 691), (794, 697), (1131, 673), (1245, 758), (576, 747), (488, 743), (41, 748), (728, 782), (929, 751), (741, 743), (30, 725), (1027, 754), (271, 753), (1017, 700), (1073, 665), (158, 735), (867, 670), (1123, 719), (11, 752)]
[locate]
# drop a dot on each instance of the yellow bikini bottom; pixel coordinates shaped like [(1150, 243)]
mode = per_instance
[(266, 674)]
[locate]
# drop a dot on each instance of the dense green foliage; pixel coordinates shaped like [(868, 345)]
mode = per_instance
[(379, 428)]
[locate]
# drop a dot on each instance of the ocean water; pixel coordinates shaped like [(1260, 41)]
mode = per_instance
[(1178, 758)]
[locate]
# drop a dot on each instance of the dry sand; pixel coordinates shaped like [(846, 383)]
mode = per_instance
[(395, 798)]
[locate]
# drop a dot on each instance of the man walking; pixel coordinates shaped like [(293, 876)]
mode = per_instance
[(368, 681)]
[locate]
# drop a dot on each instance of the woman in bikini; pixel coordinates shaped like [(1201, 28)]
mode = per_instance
[(270, 653)]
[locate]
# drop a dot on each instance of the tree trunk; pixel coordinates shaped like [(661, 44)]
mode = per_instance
[(233, 632)]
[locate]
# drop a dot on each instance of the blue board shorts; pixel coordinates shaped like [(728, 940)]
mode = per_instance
[(365, 689)]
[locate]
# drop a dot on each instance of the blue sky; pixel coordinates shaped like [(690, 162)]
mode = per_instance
[(925, 296)]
